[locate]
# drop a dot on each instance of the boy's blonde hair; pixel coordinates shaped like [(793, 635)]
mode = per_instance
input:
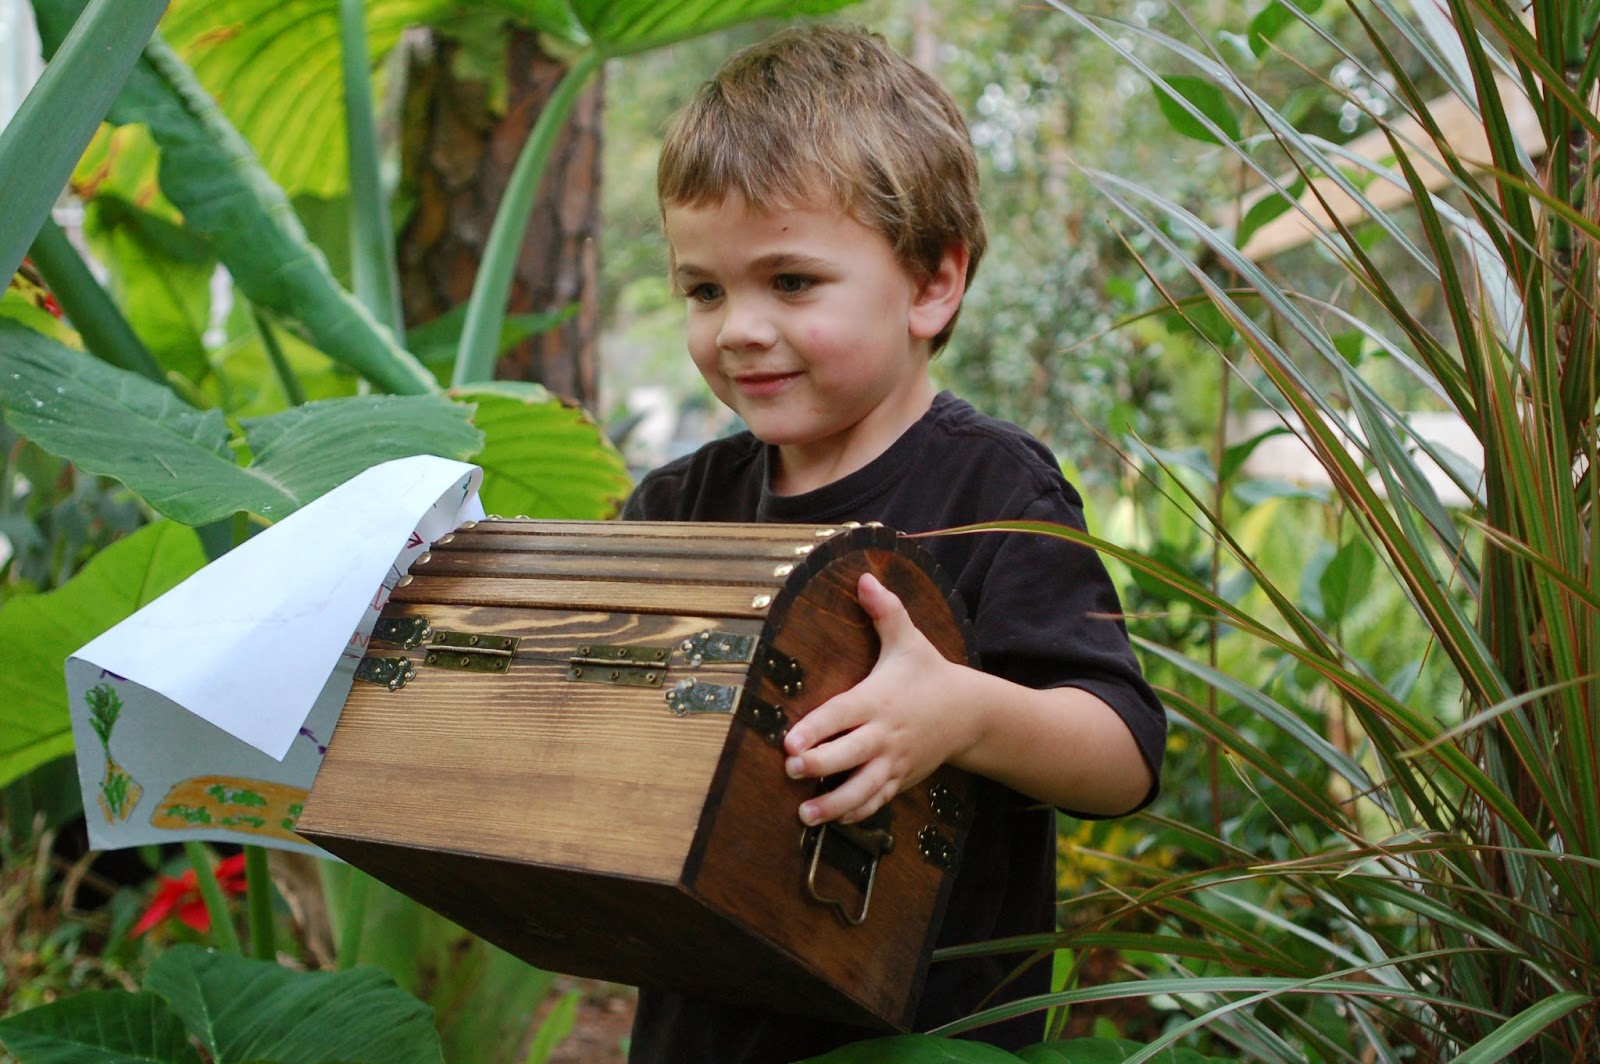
[(833, 110)]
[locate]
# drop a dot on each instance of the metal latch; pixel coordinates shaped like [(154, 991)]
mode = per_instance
[(629, 666), (693, 696), (392, 673), (717, 648), (471, 651), (405, 632)]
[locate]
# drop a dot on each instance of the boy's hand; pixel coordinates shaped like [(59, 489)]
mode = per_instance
[(893, 728)]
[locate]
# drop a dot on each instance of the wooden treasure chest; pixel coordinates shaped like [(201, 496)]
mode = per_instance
[(567, 737)]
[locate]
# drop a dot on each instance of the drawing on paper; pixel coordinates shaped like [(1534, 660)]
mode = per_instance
[(255, 807), (119, 792)]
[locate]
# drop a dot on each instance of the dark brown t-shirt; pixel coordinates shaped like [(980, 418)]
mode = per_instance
[(1045, 614)]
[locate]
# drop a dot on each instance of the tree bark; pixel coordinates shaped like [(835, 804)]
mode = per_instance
[(457, 157)]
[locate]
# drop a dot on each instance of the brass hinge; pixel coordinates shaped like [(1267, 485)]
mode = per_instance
[(470, 651), (628, 666)]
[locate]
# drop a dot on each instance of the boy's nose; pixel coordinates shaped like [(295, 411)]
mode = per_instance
[(744, 326)]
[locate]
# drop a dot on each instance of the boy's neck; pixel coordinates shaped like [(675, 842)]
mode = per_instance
[(800, 468)]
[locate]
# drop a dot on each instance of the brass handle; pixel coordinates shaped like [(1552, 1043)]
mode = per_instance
[(873, 841)]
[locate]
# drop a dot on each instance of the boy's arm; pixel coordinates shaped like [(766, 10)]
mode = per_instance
[(917, 710)]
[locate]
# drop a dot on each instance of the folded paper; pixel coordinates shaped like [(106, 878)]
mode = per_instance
[(206, 714)]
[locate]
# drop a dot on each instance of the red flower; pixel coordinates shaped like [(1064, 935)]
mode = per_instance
[(180, 897)]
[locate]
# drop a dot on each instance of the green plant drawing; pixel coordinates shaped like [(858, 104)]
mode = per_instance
[(119, 792)]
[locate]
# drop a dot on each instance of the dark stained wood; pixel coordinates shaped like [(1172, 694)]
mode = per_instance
[(585, 827)]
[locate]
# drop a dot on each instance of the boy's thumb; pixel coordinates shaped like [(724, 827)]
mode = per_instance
[(882, 605)]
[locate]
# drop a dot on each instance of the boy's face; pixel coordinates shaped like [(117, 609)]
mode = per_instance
[(804, 323)]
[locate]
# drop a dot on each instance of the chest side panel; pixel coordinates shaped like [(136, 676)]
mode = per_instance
[(753, 856)]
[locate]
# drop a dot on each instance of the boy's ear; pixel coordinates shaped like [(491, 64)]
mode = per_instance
[(940, 296)]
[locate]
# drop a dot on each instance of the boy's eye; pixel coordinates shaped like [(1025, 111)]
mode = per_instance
[(704, 293), (791, 283)]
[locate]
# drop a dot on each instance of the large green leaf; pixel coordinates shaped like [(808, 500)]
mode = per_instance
[(178, 459), (99, 1027), (916, 1049), (273, 67), (43, 140), (38, 632), (245, 1010), (618, 27), (542, 457), (160, 275), (308, 450), (210, 173)]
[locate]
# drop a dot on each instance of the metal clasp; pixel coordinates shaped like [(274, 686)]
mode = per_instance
[(393, 673)]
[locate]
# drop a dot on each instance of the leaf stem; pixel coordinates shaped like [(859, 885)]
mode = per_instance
[(106, 333), (258, 889), (287, 378), (352, 920), (223, 936), (375, 275)]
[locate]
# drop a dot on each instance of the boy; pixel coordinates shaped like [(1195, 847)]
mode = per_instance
[(820, 199)]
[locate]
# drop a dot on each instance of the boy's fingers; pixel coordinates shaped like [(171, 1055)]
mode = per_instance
[(837, 755), (857, 797), (838, 715)]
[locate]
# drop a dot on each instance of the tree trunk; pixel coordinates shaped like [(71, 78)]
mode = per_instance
[(456, 159)]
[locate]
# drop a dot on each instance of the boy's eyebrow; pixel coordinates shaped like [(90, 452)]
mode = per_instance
[(778, 261)]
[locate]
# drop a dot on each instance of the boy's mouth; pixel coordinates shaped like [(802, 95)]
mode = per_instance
[(760, 385)]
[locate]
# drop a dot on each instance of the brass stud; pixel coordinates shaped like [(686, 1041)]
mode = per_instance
[(783, 570), (852, 524), (824, 533), (404, 580), (467, 524), (448, 537), (804, 548), (761, 602)]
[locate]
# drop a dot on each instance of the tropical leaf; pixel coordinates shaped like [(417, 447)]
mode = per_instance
[(160, 275), (543, 458), (308, 450), (179, 459), (273, 68), (99, 1027), (210, 173), (39, 632), (245, 1010), (915, 1049), (42, 141), (618, 27)]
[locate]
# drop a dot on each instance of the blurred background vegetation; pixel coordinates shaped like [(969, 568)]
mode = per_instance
[(1377, 836)]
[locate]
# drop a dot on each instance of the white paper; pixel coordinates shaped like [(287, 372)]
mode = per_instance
[(230, 684)]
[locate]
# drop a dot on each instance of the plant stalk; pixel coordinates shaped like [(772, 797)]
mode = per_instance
[(106, 333), (352, 921), (374, 271), (43, 141), (258, 889), (287, 378), (223, 936)]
